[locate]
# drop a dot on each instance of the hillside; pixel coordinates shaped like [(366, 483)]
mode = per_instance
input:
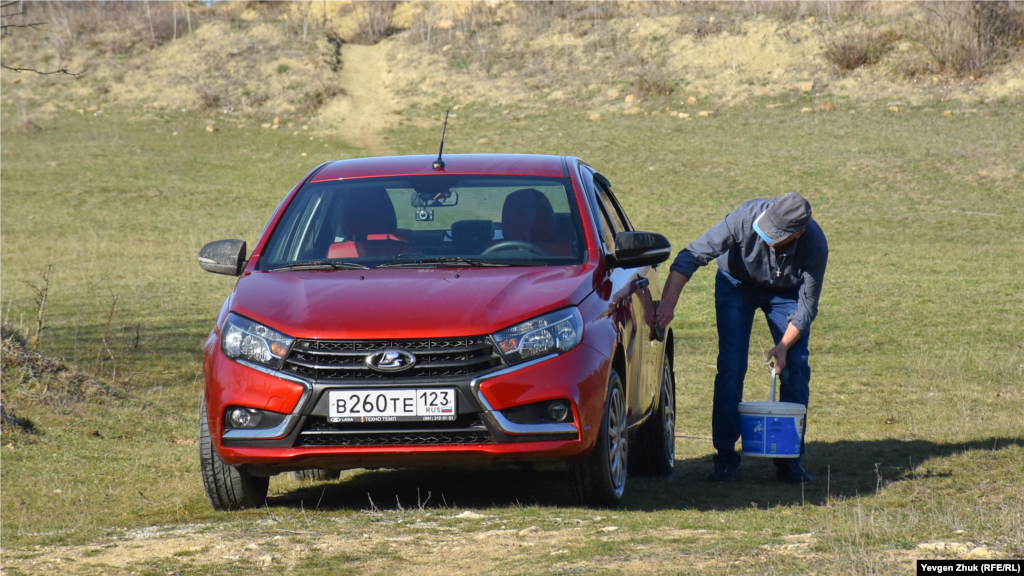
[(362, 67)]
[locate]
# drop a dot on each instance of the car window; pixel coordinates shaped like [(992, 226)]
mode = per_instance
[(611, 207), (608, 231), (373, 221), (619, 209)]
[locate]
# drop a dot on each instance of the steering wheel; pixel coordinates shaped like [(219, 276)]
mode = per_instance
[(509, 244)]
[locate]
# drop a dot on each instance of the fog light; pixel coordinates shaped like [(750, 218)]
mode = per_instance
[(558, 411), (243, 418)]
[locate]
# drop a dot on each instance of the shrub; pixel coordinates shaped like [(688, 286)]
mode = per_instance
[(311, 101), (648, 75), (853, 51), (375, 21), (968, 38)]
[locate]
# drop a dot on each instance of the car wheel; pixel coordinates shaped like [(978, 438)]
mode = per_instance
[(316, 475), (227, 487), (654, 451), (599, 479)]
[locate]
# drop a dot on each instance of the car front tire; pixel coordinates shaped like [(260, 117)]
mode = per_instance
[(654, 452), (599, 479), (227, 487)]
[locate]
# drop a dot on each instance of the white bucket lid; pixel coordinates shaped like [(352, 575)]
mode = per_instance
[(780, 408)]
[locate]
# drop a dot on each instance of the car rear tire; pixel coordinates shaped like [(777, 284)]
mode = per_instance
[(227, 487), (654, 450), (316, 475), (599, 479)]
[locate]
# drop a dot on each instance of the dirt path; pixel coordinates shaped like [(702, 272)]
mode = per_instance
[(375, 550), (367, 107)]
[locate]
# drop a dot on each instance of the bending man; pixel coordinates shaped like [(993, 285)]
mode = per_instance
[(771, 256)]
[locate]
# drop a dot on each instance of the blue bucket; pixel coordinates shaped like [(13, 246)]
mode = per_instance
[(772, 429)]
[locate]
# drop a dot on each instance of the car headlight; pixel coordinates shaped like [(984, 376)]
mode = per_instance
[(243, 339), (552, 333)]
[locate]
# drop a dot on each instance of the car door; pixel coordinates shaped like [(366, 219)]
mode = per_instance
[(647, 347), (626, 300), (653, 340)]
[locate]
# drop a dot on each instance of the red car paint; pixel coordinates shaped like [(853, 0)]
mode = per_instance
[(617, 312)]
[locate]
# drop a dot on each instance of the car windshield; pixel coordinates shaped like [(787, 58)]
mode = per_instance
[(434, 220)]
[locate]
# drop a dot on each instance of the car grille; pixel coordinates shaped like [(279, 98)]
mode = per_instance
[(437, 358), (467, 429)]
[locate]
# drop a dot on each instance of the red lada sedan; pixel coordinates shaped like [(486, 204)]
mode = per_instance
[(495, 309)]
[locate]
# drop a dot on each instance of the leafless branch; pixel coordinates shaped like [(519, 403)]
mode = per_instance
[(33, 26), (63, 70), (40, 293)]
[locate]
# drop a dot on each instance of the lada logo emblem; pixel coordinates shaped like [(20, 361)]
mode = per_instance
[(390, 360)]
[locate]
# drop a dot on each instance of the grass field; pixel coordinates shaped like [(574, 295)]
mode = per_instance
[(916, 422)]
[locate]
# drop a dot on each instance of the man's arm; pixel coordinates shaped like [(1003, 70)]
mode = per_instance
[(806, 310), (712, 244), (777, 356), (670, 297)]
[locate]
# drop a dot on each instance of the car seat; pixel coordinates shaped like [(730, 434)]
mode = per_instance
[(527, 216), (370, 227), (472, 236)]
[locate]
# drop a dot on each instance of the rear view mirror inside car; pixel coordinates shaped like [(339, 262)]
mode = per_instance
[(434, 198)]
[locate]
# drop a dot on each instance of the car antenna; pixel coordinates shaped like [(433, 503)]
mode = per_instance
[(439, 163)]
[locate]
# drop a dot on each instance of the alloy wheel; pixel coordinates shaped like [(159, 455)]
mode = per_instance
[(617, 441), (669, 414)]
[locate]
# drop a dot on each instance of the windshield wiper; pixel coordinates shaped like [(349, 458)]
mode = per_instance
[(321, 265), (449, 260)]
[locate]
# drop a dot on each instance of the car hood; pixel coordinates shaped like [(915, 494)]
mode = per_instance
[(406, 303)]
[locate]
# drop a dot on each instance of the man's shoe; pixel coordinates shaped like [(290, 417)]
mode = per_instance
[(793, 473), (724, 473)]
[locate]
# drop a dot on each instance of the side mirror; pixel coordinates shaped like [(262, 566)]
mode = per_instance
[(636, 249), (223, 257)]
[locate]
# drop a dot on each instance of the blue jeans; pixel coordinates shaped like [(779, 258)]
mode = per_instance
[(735, 305)]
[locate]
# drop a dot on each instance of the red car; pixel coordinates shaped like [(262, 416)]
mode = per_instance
[(395, 313)]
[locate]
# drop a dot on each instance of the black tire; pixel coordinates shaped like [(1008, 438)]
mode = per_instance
[(654, 449), (316, 475), (227, 487), (599, 479)]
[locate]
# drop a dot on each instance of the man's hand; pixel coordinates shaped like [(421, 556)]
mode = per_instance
[(777, 356), (670, 297), (666, 312)]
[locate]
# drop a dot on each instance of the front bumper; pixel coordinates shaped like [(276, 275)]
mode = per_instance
[(579, 376)]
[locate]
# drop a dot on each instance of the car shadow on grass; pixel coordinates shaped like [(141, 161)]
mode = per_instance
[(844, 469)]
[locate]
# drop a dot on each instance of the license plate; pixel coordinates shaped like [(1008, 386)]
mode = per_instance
[(407, 405)]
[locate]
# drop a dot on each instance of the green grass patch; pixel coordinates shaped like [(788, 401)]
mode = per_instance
[(915, 424)]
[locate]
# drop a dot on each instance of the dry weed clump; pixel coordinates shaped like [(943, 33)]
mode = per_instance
[(704, 26), (649, 75), (312, 100), (860, 49), (30, 376), (968, 38)]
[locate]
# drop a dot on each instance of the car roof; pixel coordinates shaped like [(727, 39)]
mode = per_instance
[(499, 164)]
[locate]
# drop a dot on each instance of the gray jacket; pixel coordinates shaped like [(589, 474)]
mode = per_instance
[(744, 255)]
